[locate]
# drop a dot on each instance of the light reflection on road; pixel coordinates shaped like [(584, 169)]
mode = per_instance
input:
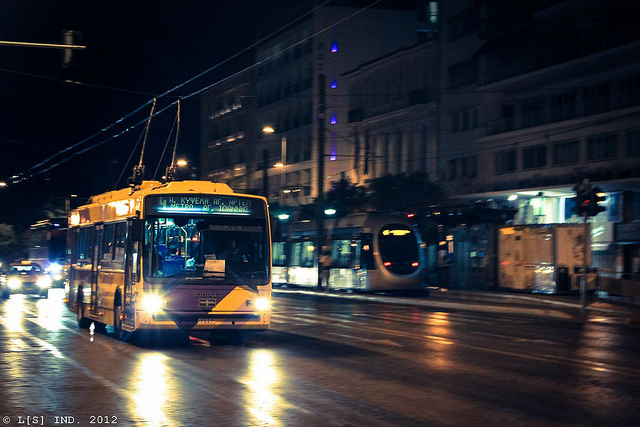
[(262, 379), (50, 311), (14, 310), (438, 345), (151, 390)]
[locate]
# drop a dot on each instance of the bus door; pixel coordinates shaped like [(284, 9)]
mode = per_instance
[(131, 272), (95, 268)]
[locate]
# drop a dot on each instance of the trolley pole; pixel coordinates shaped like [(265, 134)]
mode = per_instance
[(320, 198)]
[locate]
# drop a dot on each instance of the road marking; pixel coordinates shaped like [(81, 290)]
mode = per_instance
[(519, 339), (367, 340)]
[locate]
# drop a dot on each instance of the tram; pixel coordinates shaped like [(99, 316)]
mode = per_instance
[(369, 252)]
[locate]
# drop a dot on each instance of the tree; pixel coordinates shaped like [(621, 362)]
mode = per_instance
[(9, 243), (345, 197), (404, 193)]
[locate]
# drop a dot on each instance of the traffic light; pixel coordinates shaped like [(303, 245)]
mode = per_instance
[(582, 200), (596, 198)]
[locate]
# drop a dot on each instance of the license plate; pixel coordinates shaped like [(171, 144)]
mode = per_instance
[(207, 302)]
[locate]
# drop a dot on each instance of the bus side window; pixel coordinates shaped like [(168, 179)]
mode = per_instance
[(84, 246), (107, 242)]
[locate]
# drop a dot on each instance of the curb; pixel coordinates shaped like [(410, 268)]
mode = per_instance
[(480, 306)]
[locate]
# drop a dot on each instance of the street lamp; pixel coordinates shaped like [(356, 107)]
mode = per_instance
[(281, 164)]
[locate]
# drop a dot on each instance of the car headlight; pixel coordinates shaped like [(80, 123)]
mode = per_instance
[(14, 283), (55, 267), (152, 303), (57, 277), (262, 304), (44, 282)]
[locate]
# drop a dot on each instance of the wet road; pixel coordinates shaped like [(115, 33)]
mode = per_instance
[(325, 362)]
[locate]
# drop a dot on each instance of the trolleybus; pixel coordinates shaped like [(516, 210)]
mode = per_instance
[(181, 255), (369, 252), (47, 247)]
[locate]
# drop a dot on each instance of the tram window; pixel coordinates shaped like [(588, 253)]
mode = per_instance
[(345, 253), (399, 249), (303, 254), (308, 254), (107, 242), (367, 261), (279, 254)]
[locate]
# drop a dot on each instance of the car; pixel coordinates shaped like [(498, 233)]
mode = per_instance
[(26, 278)]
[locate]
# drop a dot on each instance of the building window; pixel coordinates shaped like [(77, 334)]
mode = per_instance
[(463, 24), (633, 143), (566, 152), (532, 112), (563, 106), (473, 167), (602, 147), (306, 155), (399, 150), (455, 120), (469, 167), (453, 169), (596, 99), (534, 157), (508, 114), (462, 73), (505, 161), (433, 12), (630, 91)]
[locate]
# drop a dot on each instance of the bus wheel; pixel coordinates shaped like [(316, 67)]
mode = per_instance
[(83, 322), (118, 333)]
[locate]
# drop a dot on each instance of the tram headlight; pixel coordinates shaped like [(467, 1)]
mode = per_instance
[(14, 283), (44, 282), (152, 303)]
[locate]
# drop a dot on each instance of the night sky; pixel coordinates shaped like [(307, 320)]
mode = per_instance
[(135, 50)]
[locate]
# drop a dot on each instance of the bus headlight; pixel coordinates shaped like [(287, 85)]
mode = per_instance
[(262, 304), (44, 282), (152, 303), (14, 283)]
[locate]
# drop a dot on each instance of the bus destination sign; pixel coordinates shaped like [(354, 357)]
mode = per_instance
[(199, 204)]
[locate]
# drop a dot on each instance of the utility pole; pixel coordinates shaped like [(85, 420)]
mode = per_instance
[(265, 172), (320, 198)]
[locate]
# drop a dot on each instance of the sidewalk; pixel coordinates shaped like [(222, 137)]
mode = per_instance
[(561, 307)]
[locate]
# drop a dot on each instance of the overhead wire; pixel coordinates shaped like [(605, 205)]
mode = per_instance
[(22, 176)]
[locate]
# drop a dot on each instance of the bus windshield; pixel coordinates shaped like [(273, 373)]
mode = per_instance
[(215, 249)]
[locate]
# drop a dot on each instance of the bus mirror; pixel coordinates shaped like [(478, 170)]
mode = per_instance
[(136, 230), (276, 229)]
